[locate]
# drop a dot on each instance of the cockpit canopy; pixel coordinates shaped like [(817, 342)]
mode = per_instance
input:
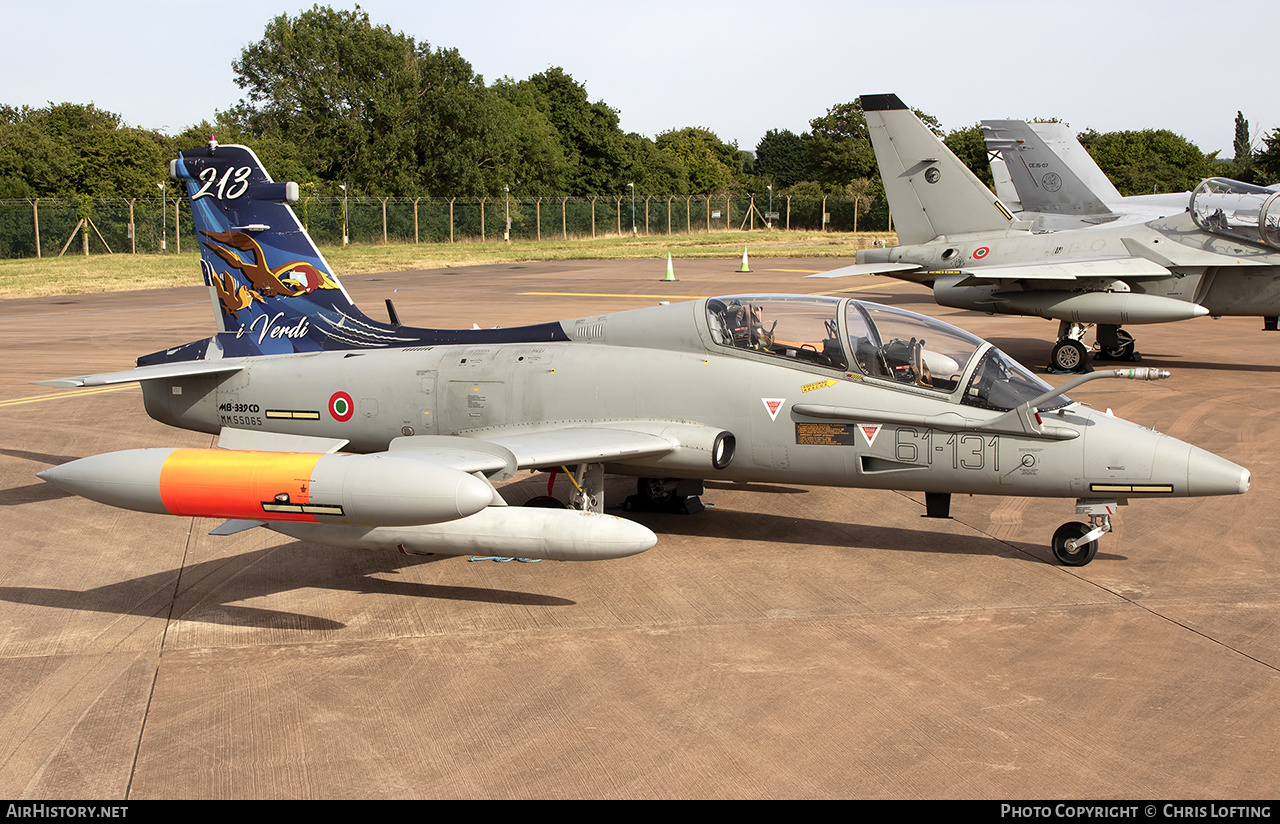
[(875, 341), (1237, 210)]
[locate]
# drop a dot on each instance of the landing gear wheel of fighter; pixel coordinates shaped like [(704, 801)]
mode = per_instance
[(546, 502), (656, 492), (1122, 350), (1066, 546), (1069, 356)]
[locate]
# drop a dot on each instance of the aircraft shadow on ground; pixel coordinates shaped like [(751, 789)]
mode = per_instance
[(40, 457), (32, 493), (746, 526), (739, 526), (212, 588)]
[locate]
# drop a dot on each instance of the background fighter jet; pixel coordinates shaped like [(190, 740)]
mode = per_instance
[(1044, 175), (1219, 256), (776, 388)]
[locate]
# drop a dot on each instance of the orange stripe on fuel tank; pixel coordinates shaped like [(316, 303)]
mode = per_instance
[(226, 483)]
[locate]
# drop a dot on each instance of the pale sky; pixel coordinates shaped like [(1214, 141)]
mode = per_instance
[(736, 68)]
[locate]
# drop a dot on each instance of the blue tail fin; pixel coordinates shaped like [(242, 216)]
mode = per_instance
[(272, 289)]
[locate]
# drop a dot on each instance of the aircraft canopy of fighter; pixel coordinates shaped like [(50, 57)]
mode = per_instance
[(960, 240), (794, 389)]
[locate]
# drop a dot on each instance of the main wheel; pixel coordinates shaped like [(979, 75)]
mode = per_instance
[(1066, 546), (1123, 350), (546, 502), (655, 491), (1069, 356)]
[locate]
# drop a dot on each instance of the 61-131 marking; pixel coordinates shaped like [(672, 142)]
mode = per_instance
[(967, 450)]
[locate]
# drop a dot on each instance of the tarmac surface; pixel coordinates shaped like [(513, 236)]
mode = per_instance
[(789, 642)]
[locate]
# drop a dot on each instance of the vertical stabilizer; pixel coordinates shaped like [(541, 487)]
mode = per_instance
[(272, 290), (1062, 142), (930, 191), (1043, 178)]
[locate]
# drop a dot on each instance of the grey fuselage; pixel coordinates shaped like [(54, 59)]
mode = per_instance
[(1225, 276), (659, 370)]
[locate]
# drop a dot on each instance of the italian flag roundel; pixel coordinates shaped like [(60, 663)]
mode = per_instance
[(341, 407), (981, 252)]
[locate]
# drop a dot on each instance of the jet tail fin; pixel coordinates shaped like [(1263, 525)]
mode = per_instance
[(1043, 178), (930, 192), (273, 291)]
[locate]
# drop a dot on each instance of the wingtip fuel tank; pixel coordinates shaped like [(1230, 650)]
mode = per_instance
[(378, 501), (511, 531), (371, 490)]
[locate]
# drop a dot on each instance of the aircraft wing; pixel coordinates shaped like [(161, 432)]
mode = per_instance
[(1131, 267), (869, 269), (145, 373), (560, 447), (495, 456)]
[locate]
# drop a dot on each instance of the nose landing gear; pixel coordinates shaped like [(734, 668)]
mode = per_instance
[(1074, 543)]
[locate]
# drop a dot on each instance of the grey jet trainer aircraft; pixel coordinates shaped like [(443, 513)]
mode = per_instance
[(1218, 256), (796, 389)]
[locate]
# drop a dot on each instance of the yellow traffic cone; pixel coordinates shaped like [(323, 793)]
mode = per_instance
[(671, 275), (744, 268)]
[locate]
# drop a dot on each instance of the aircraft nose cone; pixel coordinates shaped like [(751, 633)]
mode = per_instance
[(1208, 474), (1204, 472)]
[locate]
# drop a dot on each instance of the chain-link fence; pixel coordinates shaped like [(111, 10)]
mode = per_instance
[(45, 227)]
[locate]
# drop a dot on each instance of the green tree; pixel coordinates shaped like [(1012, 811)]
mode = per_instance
[(366, 105), (652, 170), (970, 146), (1241, 166), (593, 143), (1241, 145), (282, 159), (524, 151), (1152, 160), (839, 145), (781, 159), (1267, 160), (711, 164), (71, 149)]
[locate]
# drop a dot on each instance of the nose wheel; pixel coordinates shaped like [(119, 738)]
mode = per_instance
[(1075, 543), (1069, 546)]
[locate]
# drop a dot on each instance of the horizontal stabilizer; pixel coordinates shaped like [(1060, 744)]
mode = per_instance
[(250, 440), (145, 373)]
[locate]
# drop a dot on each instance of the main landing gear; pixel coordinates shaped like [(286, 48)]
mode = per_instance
[(1071, 355), (666, 495), (652, 494), (1075, 543)]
